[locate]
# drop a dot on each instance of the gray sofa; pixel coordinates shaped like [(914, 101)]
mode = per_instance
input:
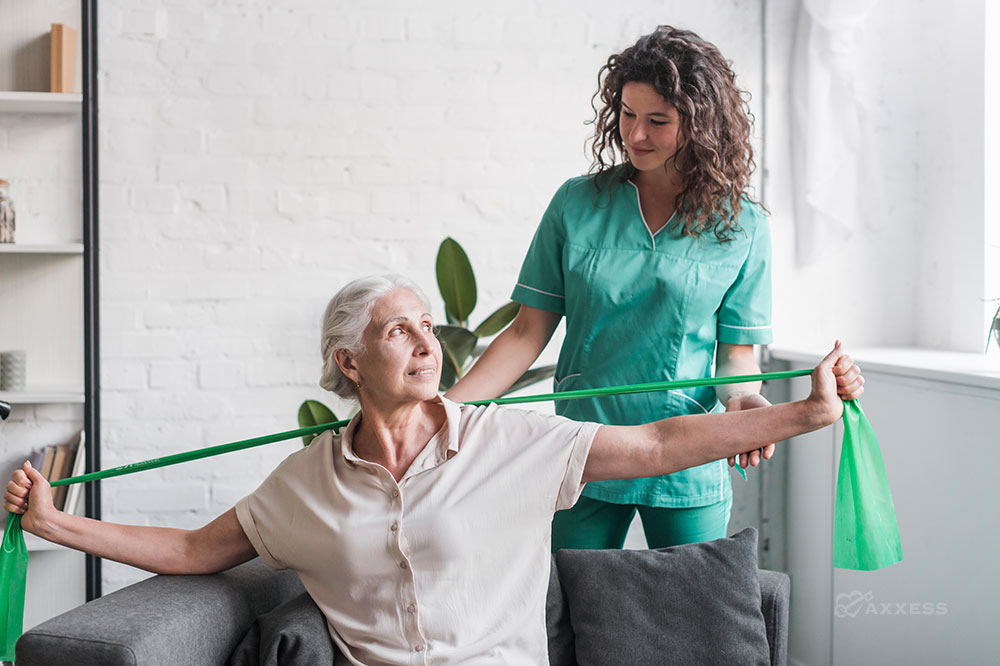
[(200, 620)]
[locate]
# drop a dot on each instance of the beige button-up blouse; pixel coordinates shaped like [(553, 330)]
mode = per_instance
[(448, 566)]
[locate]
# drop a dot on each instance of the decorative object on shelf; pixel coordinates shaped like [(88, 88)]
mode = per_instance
[(6, 213), (4, 410), (62, 74), (13, 369)]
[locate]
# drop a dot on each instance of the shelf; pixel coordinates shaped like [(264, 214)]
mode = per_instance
[(54, 248), (40, 102), (43, 396)]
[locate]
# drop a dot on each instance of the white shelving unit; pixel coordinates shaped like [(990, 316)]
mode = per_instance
[(44, 396), (40, 102), (54, 248), (43, 275)]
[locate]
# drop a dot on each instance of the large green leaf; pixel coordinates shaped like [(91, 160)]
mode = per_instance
[(458, 342), (450, 371), (497, 321), (456, 280), (313, 413), (531, 376)]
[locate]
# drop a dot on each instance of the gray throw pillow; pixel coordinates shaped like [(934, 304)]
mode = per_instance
[(693, 604), (557, 623), (293, 634)]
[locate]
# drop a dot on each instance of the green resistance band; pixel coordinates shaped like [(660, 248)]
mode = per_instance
[(866, 535), (337, 425)]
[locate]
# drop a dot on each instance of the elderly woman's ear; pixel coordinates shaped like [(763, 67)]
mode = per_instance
[(346, 364)]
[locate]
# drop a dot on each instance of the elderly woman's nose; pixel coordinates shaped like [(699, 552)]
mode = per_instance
[(425, 343)]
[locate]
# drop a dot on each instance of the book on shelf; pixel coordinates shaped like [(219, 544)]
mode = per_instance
[(36, 458), (61, 461), (74, 493), (58, 464), (62, 468), (47, 459)]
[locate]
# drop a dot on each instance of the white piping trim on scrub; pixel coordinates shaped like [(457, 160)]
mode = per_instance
[(638, 202), (746, 328), (559, 383), (691, 399), (547, 293)]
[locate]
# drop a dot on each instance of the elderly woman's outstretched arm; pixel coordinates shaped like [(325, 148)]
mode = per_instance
[(215, 547), (680, 442)]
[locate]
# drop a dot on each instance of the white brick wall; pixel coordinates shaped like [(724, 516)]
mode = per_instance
[(257, 155)]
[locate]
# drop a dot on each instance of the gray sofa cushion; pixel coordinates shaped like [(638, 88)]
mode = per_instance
[(293, 633), (161, 621), (775, 590), (709, 613), (562, 651)]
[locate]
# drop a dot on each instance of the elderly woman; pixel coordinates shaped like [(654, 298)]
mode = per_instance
[(422, 531)]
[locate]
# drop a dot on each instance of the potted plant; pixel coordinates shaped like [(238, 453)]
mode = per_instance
[(459, 344), (994, 326)]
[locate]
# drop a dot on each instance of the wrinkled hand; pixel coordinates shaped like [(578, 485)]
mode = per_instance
[(750, 401), (834, 380), (850, 382), (27, 484)]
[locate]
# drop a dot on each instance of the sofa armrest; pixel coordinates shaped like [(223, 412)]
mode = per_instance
[(775, 588), (192, 620)]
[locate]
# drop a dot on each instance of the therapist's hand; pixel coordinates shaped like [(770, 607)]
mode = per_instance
[(740, 403)]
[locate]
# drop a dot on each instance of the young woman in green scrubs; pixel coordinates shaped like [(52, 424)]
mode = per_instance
[(660, 263)]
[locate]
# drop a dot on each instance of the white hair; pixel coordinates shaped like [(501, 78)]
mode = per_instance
[(347, 316)]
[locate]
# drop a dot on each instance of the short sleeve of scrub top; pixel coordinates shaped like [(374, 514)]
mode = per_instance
[(540, 283), (745, 313)]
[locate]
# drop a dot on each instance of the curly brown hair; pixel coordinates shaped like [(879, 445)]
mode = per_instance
[(716, 158)]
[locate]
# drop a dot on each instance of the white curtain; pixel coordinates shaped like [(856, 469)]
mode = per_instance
[(835, 179)]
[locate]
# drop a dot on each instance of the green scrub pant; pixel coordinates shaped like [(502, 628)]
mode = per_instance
[(594, 524)]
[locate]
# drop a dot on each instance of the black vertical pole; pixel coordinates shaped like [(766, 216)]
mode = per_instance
[(91, 301)]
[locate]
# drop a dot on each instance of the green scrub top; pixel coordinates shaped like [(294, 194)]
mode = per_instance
[(644, 307)]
